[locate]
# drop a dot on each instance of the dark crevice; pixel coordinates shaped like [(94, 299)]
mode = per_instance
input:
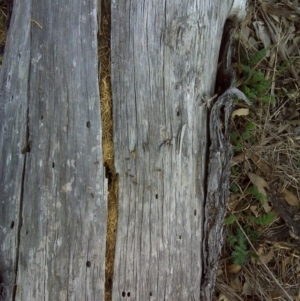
[(108, 175), (27, 149), (107, 143), (20, 222), (7, 8), (20, 217)]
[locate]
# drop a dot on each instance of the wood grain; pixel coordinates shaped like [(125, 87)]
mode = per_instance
[(52, 187), (164, 62)]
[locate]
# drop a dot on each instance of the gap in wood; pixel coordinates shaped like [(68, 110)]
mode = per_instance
[(107, 145), (4, 22)]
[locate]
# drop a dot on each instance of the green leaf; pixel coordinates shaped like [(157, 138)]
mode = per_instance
[(234, 188), (250, 126), (231, 239), (263, 220), (230, 220), (245, 135), (254, 191), (270, 99), (258, 56)]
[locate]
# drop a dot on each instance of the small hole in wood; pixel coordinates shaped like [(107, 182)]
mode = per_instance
[(179, 236), (123, 294), (12, 224), (26, 232), (88, 264), (53, 164), (150, 294), (88, 124), (156, 196), (128, 294), (42, 117), (195, 212), (108, 174), (178, 113)]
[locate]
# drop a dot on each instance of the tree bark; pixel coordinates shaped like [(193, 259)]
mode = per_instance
[(52, 186), (173, 183)]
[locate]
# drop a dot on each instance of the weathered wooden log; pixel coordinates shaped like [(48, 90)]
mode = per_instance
[(53, 196), (172, 186), (171, 151)]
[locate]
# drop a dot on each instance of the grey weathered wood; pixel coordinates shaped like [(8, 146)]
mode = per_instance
[(52, 186), (164, 62)]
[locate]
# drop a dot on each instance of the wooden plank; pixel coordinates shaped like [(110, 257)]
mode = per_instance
[(53, 191), (164, 62)]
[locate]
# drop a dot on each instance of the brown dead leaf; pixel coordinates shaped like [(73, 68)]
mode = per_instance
[(263, 258), (222, 297), (290, 198), (233, 269), (264, 167), (233, 202), (276, 294), (246, 165), (248, 289), (238, 159), (254, 210), (261, 184), (285, 261), (240, 112), (258, 181)]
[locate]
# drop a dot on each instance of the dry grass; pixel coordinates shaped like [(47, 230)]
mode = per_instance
[(267, 156), (107, 145)]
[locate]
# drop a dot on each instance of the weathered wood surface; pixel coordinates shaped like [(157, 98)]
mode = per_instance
[(52, 186), (164, 62)]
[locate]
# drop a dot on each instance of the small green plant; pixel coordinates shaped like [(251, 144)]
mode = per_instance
[(230, 219), (258, 56), (239, 246), (234, 188), (252, 234), (252, 190), (238, 140), (263, 220), (238, 242), (256, 86)]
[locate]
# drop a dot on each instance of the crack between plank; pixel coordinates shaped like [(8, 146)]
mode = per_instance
[(107, 143), (26, 148)]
